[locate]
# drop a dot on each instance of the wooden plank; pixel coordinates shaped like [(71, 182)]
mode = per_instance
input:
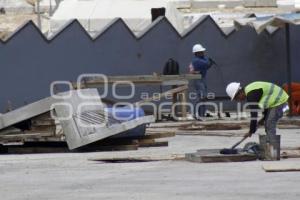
[(210, 133), (115, 142), (31, 150), (38, 147), (243, 123), (45, 139), (61, 147), (139, 79), (45, 128), (281, 167), (183, 103), (216, 126), (134, 139), (154, 144), (169, 124), (139, 158), (290, 148), (284, 153), (217, 157), (19, 136), (10, 131), (95, 148), (289, 121), (145, 141), (98, 84), (285, 126), (197, 123), (154, 135)]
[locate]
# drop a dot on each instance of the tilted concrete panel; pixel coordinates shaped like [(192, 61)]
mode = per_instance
[(84, 119)]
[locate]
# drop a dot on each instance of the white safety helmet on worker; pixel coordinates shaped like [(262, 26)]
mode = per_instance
[(198, 48), (232, 89)]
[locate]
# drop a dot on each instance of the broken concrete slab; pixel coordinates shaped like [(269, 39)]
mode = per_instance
[(26, 112), (81, 114), (84, 119)]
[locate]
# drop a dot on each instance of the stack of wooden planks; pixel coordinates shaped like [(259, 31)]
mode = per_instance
[(34, 144), (40, 128)]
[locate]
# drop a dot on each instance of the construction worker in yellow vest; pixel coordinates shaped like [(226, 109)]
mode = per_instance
[(261, 95)]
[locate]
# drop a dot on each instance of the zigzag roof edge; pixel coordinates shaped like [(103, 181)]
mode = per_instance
[(228, 33), (20, 28)]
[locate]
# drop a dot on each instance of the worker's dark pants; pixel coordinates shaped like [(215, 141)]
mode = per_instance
[(201, 90), (272, 117)]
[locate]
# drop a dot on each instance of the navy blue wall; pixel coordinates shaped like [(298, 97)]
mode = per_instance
[(30, 62)]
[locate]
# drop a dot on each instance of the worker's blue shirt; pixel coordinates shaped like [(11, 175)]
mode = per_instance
[(201, 64)]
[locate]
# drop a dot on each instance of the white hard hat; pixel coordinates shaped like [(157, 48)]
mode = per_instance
[(198, 48), (232, 89)]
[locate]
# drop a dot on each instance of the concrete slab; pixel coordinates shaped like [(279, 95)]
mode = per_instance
[(26, 112), (84, 120)]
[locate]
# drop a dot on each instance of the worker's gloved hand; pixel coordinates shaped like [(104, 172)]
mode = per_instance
[(248, 135)]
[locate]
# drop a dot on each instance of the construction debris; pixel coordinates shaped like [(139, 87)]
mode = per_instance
[(108, 144), (290, 153), (210, 127), (281, 167), (26, 112), (92, 122), (121, 159), (78, 127), (213, 155)]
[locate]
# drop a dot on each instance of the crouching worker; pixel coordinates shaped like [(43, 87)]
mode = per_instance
[(261, 95)]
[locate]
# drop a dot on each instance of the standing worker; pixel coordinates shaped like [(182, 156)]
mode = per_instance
[(262, 95), (200, 64)]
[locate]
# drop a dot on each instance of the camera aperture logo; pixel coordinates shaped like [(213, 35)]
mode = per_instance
[(128, 100)]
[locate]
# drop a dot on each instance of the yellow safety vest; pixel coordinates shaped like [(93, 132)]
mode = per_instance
[(272, 96)]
